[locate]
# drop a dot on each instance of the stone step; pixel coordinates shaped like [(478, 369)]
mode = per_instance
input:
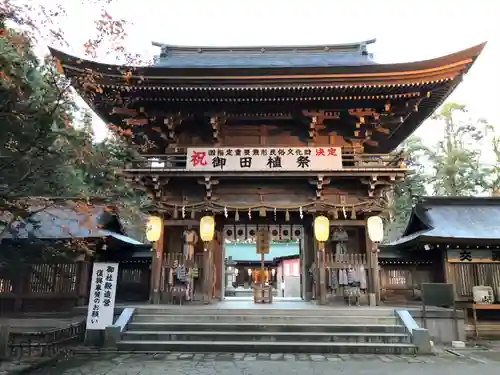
[(271, 311), (349, 337), (333, 319), (264, 327), (265, 347)]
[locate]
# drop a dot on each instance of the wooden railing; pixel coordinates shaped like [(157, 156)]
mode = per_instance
[(171, 260), (344, 261), (177, 159)]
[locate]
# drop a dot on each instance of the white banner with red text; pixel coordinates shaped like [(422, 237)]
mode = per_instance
[(237, 159)]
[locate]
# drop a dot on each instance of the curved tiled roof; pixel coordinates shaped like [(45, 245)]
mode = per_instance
[(349, 54), (192, 78), (453, 219)]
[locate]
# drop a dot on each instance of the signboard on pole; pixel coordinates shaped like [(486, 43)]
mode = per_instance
[(102, 296), (264, 159), (263, 241)]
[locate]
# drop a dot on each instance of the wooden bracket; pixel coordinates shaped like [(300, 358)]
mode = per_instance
[(157, 184), (216, 122), (324, 115), (376, 186), (363, 112), (372, 183), (368, 119), (320, 181), (313, 129), (123, 111), (209, 183), (171, 122)]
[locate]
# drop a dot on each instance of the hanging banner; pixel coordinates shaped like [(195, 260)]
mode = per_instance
[(264, 159), (102, 295)]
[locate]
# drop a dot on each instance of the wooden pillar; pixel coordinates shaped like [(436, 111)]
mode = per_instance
[(207, 271), (218, 266), (21, 285), (157, 267), (82, 281), (308, 260), (376, 274), (373, 269), (321, 272), (368, 252)]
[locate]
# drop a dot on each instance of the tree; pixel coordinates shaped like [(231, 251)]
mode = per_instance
[(492, 181), (38, 146), (41, 21), (100, 172), (400, 197), (42, 153), (453, 166), (456, 159)]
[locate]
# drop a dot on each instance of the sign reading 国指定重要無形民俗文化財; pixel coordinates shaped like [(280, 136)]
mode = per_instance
[(264, 159), (102, 295)]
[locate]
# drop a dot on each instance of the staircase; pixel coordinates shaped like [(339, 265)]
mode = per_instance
[(192, 329)]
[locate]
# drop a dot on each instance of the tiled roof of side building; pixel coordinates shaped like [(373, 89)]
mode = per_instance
[(453, 218), (350, 54)]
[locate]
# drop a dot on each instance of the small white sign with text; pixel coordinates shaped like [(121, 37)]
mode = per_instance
[(102, 295)]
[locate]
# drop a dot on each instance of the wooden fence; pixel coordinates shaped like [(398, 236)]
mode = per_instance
[(466, 276), (346, 260), (60, 287), (133, 281), (402, 283), (44, 287), (173, 259)]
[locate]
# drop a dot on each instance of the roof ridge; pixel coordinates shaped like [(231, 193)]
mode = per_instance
[(352, 46), (464, 200)]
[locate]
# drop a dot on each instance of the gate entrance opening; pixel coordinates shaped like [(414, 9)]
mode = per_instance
[(282, 267)]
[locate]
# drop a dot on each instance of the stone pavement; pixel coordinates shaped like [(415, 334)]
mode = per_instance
[(272, 364)]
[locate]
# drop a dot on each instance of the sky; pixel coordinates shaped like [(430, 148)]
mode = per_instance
[(405, 31)]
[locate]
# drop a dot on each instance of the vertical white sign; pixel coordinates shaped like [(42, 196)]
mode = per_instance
[(102, 295)]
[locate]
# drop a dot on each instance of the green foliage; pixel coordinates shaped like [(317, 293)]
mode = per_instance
[(456, 159), (400, 199), (36, 141), (453, 166), (42, 153), (100, 175)]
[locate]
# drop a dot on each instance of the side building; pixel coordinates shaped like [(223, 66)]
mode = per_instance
[(448, 239)]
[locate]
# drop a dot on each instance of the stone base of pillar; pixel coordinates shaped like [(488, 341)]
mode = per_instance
[(308, 296)]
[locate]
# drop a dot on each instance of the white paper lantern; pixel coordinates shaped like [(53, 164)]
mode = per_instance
[(375, 227)]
